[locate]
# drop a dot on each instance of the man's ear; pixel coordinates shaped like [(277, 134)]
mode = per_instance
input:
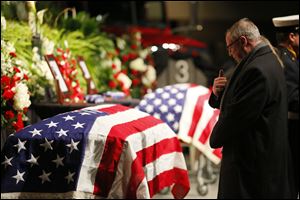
[(292, 37), (243, 40)]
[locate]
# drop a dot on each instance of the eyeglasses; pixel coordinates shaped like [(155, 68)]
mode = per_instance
[(232, 43)]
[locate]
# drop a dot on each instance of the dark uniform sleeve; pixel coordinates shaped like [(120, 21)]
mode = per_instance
[(291, 71)]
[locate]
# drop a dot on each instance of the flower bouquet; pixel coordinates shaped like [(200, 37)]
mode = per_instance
[(68, 68), (132, 67), (15, 97)]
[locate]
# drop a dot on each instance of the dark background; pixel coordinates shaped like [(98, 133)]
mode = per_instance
[(214, 16)]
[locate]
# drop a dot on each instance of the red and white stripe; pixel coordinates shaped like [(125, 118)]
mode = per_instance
[(197, 121), (129, 154)]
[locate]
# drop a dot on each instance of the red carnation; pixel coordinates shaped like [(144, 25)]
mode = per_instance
[(133, 46), (5, 80), (134, 72), (18, 125), (125, 58), (124, 71), (8, 94), (135, 82), (9, 114), (112, 84), (26, 77), (17, 70), (13, 54)]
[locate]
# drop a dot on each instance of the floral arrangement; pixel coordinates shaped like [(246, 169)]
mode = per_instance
[(15, 97), (132, 66), (68, 68)]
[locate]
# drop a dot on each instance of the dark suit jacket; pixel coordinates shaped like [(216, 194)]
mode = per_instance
[(252, 129)]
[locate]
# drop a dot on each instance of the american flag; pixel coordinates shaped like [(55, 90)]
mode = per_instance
[(105, 151), (185, 108)]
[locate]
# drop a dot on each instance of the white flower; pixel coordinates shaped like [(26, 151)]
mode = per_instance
[(107, 63), (149, 77), (118, 64), (123, 78), (102, 54), (41, 64), (120, 43), (138, 64), (47, 46), (143, 53), (45, 69), (138, 35), (22, 97)]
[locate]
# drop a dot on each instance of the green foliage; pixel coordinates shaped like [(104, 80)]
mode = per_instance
[(81, 33), (19, 34)]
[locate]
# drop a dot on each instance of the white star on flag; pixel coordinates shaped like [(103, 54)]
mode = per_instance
[(163, 108), (150, 96), (52, 124), (73, 145), (33, 160), (19, 176), (20, 145), (69, 177), (172, 102), (143, 102), (7, 162), (174, 90), (47, 144), (157, 102), (176, 125), (149, 108), (35, 132), (170, 117), (165, 95), (67, 118), (178, 108), (58, 161), (62, 132), (45, 176), (78, 125), (179, 96)]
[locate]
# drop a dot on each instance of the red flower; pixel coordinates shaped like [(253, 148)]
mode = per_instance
[(124, 71), (132, 56), (112, 84), (26, 77), (17, 70), (8, 94), (13, 54), (135, 82), (9, 114), (126, 91), (125, 58), (5, 80), (134, 72), (133, 46), (18, 125), (16, 78)]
